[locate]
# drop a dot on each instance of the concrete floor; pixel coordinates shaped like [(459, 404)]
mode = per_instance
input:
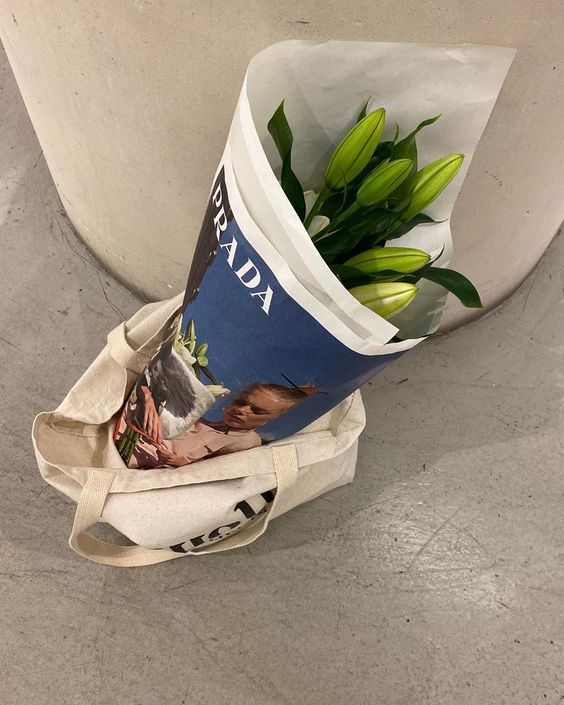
[(437, 578)]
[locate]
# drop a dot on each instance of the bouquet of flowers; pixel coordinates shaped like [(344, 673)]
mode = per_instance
[(316, 266), (373, 192)]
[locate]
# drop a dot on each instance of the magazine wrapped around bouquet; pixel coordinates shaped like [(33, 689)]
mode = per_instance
[(268, 338)]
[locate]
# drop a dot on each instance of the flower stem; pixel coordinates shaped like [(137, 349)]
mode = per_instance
[(319, 201), (334, 224), (349, 211)]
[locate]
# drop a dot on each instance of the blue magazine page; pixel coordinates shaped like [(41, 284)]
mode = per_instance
[(249, 361)]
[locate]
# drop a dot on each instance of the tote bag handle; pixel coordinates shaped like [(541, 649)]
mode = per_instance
[(93, 497), (123, 353)]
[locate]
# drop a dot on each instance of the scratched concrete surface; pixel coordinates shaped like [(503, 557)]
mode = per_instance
[(437, 578)]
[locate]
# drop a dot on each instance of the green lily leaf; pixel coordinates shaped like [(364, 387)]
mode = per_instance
[(407, 149), (366, 219), (362, 113), (344, 243), (332, 205), (281, 133), (382, 153), (403, 228), (437, 257), (454, 282), (201, 349), (337, 203), (339, 242)]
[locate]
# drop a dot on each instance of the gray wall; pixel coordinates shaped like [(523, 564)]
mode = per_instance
[(132, 101)]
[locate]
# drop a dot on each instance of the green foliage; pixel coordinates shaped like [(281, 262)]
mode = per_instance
[(283, 139), (374, 192)]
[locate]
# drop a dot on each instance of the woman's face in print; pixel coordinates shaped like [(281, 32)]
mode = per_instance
[(255, 408)]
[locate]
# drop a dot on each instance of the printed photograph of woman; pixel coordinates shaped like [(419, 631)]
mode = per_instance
[(254, 406)]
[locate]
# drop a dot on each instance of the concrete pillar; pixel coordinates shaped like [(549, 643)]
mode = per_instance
[(132, 101)]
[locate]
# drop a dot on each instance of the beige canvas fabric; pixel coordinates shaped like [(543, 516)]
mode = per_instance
[(211, 505)]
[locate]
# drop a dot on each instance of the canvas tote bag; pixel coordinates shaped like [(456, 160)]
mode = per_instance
[(211, 505)]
